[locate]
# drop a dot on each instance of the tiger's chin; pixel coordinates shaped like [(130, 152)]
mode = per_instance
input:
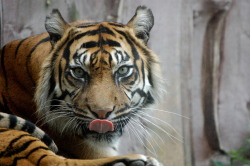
[(100, 144), (96, 145)]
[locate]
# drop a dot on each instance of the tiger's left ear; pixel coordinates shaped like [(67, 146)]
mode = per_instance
[(55, 26), (141, 23)]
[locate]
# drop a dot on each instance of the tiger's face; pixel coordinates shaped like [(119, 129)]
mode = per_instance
[(97, 76)]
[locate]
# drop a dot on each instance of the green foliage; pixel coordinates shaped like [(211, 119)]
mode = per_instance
[(240, 156), (217, 163)]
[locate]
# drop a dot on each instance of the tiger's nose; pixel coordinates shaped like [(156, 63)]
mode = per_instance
[(102, 113)]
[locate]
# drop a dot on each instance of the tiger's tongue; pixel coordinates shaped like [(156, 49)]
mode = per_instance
[(101, 126)]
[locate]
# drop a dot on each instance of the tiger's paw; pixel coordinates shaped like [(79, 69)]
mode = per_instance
[(140, 161)]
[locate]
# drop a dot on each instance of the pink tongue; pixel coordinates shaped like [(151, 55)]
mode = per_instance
[(101, 126)]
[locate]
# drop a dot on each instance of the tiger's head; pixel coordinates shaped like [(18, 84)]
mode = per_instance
[(97, 75)]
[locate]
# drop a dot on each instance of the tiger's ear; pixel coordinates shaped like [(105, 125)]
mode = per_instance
[(142, 22), (55, 26)]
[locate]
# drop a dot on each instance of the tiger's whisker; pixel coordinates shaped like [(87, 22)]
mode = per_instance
[(150, 135), (139, 138), (160, 128), (166, 112), (171, 127), (146, 129)]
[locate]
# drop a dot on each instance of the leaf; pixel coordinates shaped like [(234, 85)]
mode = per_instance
[(217, 163)]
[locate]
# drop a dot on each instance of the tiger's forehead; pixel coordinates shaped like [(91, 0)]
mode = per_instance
[(100, 44), (102, 58)]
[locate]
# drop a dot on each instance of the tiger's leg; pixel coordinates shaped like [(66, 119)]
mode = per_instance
[(20, 148)]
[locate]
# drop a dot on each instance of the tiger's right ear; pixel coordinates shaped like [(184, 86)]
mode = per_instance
[(141, 23), (55, 26)]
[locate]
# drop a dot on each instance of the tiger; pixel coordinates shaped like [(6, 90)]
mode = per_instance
[(78, 85)]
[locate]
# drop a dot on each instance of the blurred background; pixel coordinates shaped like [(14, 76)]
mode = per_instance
[(204, 50)]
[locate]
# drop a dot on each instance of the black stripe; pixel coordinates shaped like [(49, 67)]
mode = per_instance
[(85, 25), (149, 100), (116, 24), (27, 156), (149, 63), (13, 121), (35, 149), (28, 58), (134, 51), (14, 151), (3, 130), (80, 115), (127, 96), (90, 44), (135, 79), (123, 109), (150, 79), (4, 106), (94, 58), (3, 67), (126, 79), (17, 139), (68, 76), (129, 90), (106, 30), (1, 116), (80, 110), (66, 52), (110, 60), (54, 104), (52, 83), (140, 92), (17, 48), (46, 139), (60, 75), (16, 160), (28, 127), (127, 57), (112, 43), (40, 159), (10, 150), (143, 73), (116, 56), (84, 58)]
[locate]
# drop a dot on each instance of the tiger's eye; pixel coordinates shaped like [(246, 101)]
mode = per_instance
[(123, 70), (78, 72)]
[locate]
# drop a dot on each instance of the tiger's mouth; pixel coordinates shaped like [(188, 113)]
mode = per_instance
[(101, 126), (103, 129)]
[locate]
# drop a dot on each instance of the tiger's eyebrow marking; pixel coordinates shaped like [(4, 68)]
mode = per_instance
[(92, 44), (116, 24), (85, 25)]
